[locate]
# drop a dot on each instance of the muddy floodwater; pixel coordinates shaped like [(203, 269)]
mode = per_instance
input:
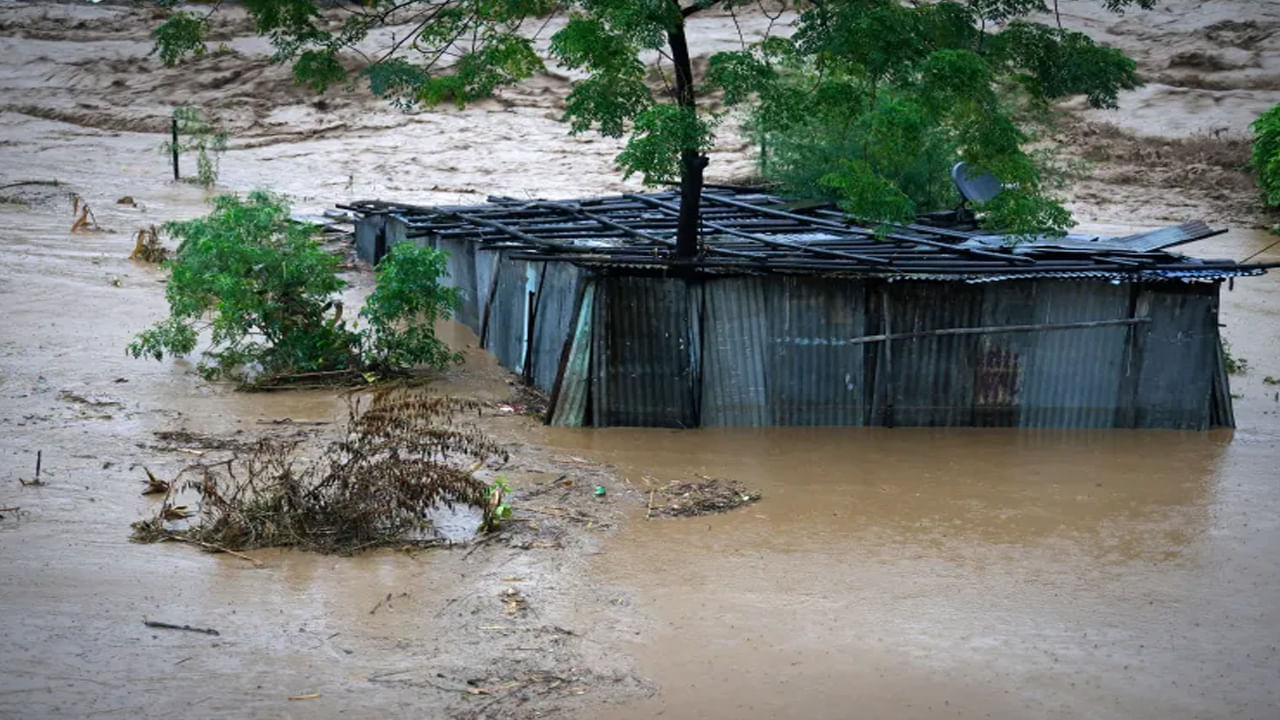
[(886, 573), (919, 573), (959, 573)]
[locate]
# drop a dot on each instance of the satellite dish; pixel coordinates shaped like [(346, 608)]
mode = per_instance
[(975, 184)]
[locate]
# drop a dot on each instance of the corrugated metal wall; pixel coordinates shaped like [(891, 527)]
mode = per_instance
[(1179, 357), (648, 350), (370, 238), (486, 271), (1075, 378), (927, 381), (642, 361), (556, 311), (506, 331), (735, 350), (461, 263), (776, 351), (570, 396), (795, 351), (815, 376)]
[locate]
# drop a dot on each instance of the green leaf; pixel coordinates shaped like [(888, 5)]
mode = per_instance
[(181, 34), (318, 70), (662, 134)]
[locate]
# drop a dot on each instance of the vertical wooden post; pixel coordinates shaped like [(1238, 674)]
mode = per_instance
[(173, 126)]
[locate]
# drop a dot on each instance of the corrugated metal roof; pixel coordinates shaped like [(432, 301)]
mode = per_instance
[(750, 232), (1158, 239)]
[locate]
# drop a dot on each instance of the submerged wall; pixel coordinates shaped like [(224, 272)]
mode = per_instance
[(637, 349)]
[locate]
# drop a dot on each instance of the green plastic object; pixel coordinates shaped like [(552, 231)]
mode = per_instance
[(599, 491)]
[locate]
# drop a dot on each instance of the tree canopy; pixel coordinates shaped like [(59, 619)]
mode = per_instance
[(886, 82)]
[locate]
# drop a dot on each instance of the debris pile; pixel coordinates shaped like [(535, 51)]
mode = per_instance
[(704, 497), (404, 455)]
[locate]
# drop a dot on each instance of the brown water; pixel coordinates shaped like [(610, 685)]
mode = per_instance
[(888, 573), (917, 573)]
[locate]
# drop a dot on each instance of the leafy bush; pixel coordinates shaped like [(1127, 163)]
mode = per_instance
[(824, 160), (1266, 154), (404, 308), (268, 294)]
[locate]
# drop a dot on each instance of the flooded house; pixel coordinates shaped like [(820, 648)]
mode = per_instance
[(793, 315)]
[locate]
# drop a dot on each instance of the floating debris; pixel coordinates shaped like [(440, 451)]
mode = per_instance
[(155, 486), (706, 497)]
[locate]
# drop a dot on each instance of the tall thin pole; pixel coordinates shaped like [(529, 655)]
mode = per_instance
[(173, 126)]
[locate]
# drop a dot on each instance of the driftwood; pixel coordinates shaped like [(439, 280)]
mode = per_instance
[(188, 628), (216, 548), (20, 183)]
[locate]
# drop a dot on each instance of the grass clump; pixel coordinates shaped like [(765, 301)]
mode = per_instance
[(402, 456)]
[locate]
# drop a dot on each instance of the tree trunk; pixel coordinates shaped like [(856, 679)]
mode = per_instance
[(692, 161)]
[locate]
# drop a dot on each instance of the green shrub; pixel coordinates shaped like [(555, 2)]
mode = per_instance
[(891, 147), (268, 295), (404, 308), (1266, 154)]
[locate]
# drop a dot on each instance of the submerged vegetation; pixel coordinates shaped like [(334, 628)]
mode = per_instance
[(398, 459), (269, 296)]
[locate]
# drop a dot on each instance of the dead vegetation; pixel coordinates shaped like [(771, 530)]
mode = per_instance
[(399, 458), (706, 496), (147, 247), (84, 217)]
